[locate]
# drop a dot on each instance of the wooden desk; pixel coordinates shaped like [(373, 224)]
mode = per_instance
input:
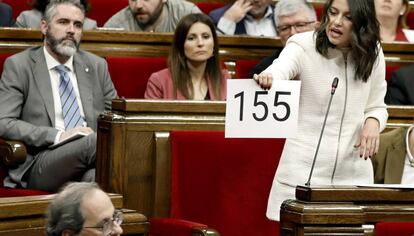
[(21, 216), (122, 43), (343, 210), (138, 44)]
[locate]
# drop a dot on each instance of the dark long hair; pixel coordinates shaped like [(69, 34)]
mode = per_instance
[(178, 62), (364, 40)]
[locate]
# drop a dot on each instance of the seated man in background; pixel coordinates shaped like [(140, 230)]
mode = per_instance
[(394, 162), (6, 15), (151, 15), (399, 91), (292, 17), (83, 209), (49, 94), (32, 18), (251, 17)]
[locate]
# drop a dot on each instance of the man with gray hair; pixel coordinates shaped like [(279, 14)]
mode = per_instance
[(83, 209), (291, 17), (50, 99)]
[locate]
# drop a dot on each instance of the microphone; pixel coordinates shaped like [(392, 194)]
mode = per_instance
[(333, 88)]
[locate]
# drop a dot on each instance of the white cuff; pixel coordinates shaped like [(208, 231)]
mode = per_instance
[(226, 26)]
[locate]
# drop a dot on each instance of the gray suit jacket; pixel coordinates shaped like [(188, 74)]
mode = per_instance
[(389, 162), (26, 100)]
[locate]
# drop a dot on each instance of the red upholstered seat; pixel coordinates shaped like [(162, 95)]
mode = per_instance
[(3, 57), (15, 192), (394, 228), (389, 70), (102, 10), (130, 74), (206, 7), (243, 68), (173, 227), (223, 183), (18, 6), (319, 11), (409, 20)]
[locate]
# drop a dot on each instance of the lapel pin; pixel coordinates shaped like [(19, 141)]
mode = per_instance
[(86, 70)]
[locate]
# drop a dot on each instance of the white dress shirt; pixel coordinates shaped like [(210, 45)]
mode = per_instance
[(263, 27), (55, 80)]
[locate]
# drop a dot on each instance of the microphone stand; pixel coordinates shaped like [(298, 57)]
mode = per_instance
[(334, 85)]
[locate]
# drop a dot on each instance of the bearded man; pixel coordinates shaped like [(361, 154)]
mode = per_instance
[(50, 94), (151, 15)]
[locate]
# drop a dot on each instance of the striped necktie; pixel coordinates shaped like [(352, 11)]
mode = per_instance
[(70, 106)]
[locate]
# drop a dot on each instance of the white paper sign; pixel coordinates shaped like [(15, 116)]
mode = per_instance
[(252, 112)]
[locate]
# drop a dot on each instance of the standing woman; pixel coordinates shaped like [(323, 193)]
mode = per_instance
[(345, 45), (194, 70), (390, 14)]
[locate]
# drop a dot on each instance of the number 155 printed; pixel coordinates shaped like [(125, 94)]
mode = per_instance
[(252, 112)]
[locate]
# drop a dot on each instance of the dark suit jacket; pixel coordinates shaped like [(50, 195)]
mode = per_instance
[(6, 15), (216, 14), (389, 162), (263, 64), (26, 100), (401, 86)]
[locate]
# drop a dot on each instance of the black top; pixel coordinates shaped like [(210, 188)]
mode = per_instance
[(263, 64)]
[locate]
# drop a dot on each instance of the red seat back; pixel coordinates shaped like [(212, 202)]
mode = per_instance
[(389, 70), (224, 183), (243, 68), (319, 11), (130, 74), (3, 57), (102, 10), (18, 6), (409, 19), (206, 7), (394, 228)]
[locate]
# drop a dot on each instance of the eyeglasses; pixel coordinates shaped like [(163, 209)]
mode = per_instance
[(301, 26), (107, 225)]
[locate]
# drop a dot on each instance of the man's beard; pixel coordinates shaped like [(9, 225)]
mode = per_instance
[(151, 19), (59, 47)]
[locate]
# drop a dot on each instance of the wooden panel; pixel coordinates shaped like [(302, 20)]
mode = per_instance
[(339, 210), (351, 193), (25, 216), (122, 43), (35, 205), (162, 174)]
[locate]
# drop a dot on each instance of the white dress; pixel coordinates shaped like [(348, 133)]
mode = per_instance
[(338, 162)]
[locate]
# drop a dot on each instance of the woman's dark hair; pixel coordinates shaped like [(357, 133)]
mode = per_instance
[(40, 5), (178, 61), (365, 36)]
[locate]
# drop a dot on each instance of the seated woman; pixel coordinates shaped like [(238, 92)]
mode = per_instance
[(390, 14), (32, 18), (194, 70)]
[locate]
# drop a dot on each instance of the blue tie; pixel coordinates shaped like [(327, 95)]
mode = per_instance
[(70, 106)]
